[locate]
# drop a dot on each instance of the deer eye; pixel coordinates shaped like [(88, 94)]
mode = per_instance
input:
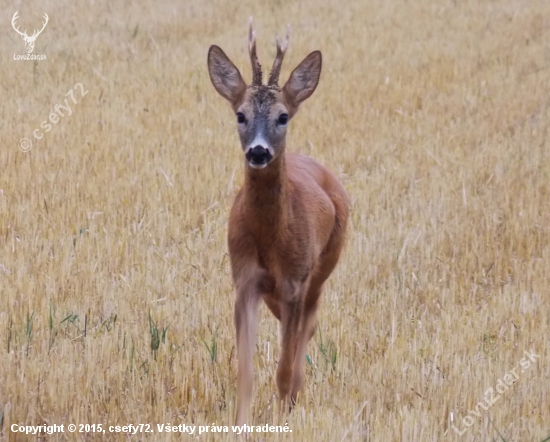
[(241, 118), (283, 119)]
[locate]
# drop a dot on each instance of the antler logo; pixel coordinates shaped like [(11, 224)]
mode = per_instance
[(29, 40)]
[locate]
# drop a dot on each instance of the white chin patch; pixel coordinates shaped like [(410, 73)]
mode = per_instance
[(257, 166)]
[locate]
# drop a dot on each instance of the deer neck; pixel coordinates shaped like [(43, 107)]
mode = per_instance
[(266, 199)]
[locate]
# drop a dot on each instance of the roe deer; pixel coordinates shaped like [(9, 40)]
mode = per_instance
[(287, 224)]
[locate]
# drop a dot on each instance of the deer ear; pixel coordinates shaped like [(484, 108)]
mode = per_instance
[(225, 77), (303, 80)]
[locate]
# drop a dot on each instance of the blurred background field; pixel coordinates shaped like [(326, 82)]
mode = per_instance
[(116, 297)]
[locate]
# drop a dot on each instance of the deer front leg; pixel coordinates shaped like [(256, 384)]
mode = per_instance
[(246, 319), (307, 329), (291, 314)]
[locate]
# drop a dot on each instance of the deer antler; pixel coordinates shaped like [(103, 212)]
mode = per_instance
[(14, 18), (44, 23), (256, 67), (281, 49)]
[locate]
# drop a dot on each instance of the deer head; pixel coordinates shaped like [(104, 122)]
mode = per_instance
[(263, 111), (29, 40)]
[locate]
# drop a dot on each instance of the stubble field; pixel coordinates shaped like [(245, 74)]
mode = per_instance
[(116, 295)]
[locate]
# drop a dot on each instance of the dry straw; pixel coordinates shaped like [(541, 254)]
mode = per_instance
[(114, 277)]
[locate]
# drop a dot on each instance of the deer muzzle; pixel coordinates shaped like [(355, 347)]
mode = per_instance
[(258, 157)]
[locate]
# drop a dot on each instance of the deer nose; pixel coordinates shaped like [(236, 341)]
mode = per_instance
[(258, 156)]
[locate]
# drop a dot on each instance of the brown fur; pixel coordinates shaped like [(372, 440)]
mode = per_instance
[(286, 228), (286, 232)]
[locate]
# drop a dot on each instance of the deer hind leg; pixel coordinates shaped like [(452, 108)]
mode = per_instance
[(309, 316), (328, 262), (246, 320)]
